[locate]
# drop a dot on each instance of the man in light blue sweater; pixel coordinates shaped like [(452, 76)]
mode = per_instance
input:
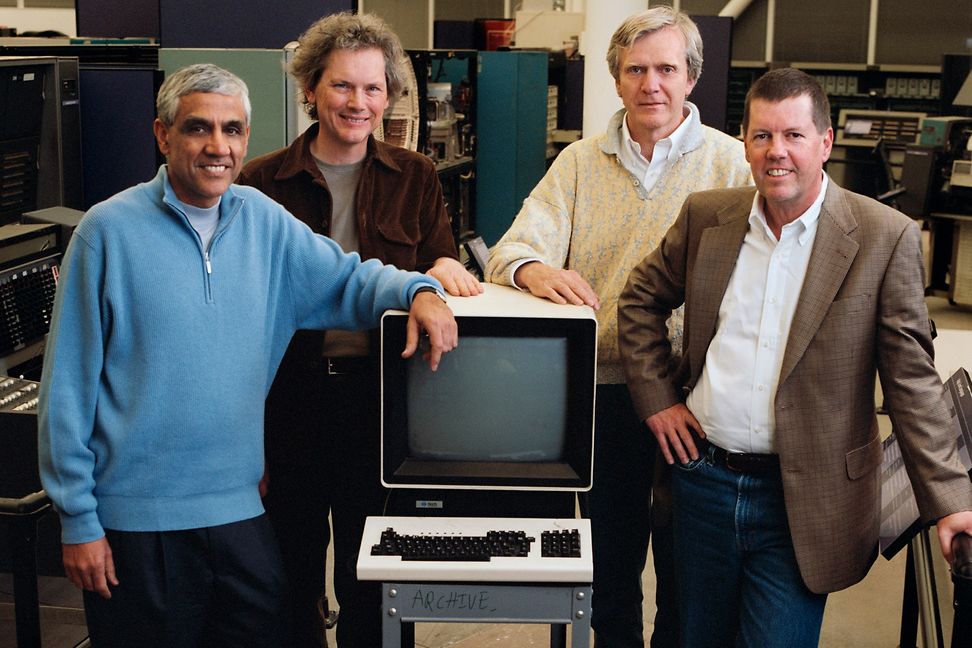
[(176, 302)]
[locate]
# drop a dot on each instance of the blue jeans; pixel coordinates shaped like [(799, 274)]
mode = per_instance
[(738, 580)]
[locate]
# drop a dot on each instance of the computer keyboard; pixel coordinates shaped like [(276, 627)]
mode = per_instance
[(453, 547), (475, 549)]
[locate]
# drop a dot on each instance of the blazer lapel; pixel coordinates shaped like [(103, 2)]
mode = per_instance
[(716, 258), (833, 252)]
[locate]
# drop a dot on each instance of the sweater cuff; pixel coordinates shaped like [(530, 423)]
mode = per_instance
[(428, 284), (76, 529)]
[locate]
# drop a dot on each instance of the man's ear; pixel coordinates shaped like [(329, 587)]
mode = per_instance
[(161, 136)]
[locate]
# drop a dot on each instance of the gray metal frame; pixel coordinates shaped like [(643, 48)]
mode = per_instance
[(557, 604)]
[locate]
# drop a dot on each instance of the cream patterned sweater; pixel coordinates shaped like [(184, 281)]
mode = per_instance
[(590, 214)]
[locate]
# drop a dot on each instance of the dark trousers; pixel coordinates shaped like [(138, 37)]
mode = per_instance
[(210, 587), (619, 506), (323, 458)]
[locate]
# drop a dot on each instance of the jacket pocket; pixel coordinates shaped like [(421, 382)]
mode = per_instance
[(861, 461), (395, 234), (852, 305)]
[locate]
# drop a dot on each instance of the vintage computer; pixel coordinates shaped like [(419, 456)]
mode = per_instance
[(483, 459), (492, 446), (510, 410), (40, 140)]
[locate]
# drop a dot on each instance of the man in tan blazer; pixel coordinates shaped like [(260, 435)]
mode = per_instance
[(796, 295)]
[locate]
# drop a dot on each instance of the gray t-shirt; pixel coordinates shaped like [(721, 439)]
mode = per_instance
[(204, 220), (342, 180)]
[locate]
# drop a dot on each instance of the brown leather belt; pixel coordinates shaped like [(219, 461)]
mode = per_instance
[(743, 462)]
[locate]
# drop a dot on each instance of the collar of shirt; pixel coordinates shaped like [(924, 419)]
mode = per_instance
[(666, 150), (806, 224)]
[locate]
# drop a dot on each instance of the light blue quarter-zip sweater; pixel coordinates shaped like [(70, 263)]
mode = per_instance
[(161, 355)]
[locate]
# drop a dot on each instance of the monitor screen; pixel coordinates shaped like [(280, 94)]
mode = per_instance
[(510, 408)]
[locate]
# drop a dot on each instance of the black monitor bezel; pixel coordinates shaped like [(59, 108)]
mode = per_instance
[(574, 473)]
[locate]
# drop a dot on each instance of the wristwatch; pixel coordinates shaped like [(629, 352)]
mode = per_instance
[(430, 289)]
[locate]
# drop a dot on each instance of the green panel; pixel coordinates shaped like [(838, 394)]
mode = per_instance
[(495, 150), (263, 72), (511, 105), (531, 141)]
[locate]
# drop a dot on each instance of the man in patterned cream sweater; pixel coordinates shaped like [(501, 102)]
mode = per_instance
[(604, 204)]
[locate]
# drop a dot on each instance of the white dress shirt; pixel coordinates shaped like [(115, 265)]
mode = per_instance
[(733, 399), (665, 153)]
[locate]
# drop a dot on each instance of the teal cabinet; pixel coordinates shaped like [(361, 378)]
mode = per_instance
[(511, 132)]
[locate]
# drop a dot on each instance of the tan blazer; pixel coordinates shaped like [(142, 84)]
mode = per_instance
[(861, 312)]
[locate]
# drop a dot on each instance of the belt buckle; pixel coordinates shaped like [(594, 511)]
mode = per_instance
[(731, 465)]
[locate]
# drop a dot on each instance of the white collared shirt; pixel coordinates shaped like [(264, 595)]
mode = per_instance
[(734, 398), (665, 153)]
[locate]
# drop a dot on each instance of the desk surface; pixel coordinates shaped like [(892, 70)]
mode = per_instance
[(529, 569)]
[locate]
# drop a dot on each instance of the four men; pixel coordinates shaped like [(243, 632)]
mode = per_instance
[(795, 293)]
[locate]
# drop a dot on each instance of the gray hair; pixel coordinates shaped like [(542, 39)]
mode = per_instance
[(201, 77), (346, 31), (648, 22)]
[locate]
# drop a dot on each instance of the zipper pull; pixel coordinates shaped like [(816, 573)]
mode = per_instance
[(209, 266)]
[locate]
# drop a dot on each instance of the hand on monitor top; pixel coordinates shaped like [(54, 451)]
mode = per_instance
[(431, 315), (556, 284), (455, 278)]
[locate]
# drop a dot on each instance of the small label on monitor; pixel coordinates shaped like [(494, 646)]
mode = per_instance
[(428, 504)]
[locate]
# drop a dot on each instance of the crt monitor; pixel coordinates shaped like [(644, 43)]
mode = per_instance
[(511, 408)]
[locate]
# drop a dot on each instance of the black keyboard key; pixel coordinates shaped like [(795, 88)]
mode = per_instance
[(560, 544)]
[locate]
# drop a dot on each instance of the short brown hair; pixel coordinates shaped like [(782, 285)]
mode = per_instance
[(346, 31), (786, 83)]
